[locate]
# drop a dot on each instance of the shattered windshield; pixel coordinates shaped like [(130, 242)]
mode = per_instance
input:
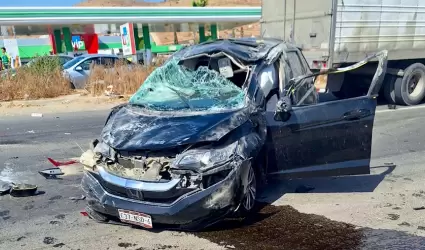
[(173, 87)]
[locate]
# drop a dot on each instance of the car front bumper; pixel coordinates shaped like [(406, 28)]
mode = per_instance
[(193, 210)]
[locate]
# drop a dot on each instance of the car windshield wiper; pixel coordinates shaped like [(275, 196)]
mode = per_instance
[(181, 96)]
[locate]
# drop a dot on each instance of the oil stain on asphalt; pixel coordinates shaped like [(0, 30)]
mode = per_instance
[(283, 227)]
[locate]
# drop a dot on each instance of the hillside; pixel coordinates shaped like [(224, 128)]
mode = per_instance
[(184, 37)]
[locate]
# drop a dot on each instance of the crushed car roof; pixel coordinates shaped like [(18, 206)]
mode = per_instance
[(245, 49)]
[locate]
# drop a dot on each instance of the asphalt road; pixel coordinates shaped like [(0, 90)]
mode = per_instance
[(52, 220)]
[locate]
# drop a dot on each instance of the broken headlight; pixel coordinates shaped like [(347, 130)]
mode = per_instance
[(206, 158)]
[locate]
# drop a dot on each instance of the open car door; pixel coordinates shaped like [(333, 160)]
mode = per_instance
[(325, 139)]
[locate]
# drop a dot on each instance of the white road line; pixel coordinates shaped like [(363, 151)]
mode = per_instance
[(399, 109)]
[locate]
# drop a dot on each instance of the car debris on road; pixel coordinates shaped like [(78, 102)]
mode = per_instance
[(37, 115), (18, 189), (58, 163), (23, 190), (82, 197), (51, 173), (198, 140)]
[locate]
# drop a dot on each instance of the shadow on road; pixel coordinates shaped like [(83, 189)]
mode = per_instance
[(343, 184)]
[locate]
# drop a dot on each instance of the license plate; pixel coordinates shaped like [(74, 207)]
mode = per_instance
[(135, 218)]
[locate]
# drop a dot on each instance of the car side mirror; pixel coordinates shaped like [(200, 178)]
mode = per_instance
[(283, 109), (78, 68)]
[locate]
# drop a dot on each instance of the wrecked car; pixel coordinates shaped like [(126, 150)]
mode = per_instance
[(199, 138)]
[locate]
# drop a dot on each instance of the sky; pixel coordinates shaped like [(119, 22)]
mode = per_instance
[(36, 3)]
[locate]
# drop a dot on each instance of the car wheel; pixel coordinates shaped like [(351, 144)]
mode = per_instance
[(410, 89), (251, 194), (71, 85), (247, 204)]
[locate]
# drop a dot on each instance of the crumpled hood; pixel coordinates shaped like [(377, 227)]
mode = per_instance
[(132, 128)]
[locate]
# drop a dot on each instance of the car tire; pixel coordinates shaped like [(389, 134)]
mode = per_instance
[(248, 201), (409, 90), (71, 85)]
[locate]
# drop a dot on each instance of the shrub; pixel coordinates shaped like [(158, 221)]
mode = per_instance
[(119, 79), (41, 79)]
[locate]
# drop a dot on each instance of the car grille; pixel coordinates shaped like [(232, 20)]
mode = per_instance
[(148, 196)]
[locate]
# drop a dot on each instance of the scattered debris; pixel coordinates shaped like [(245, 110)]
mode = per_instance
[(28, 207), (49, 240), (60, 216), (125, 245), (54, 222), (392, 106), (159, 247), (82, 197), (389, 164), (396, 208), (303, 189), (421, 193), (37, 115), (419, 208), (20, 238), (4, 213), (388, 205), (59, 245), (421, 227), (404, 224), (56, 197), (23, 190), (51, 173), (58, 164), (393, 216), (5, 188)]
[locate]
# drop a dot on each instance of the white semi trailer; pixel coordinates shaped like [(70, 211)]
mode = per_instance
[(335, 33)]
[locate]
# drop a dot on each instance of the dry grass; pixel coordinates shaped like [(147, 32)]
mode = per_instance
[(45, 80), (117, 80), (30, 84)]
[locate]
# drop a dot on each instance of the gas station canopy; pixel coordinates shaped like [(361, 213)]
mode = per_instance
[(105, 15)]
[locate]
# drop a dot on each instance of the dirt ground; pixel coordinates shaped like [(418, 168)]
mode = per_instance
[(283, 227), (70, 103)]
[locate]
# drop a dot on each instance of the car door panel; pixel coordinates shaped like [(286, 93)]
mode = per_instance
[(332, 138)]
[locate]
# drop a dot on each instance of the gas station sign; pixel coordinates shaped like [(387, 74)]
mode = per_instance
[(127, 39), (78, 43)]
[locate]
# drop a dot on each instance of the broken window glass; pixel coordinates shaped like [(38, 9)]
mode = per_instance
[(175, 87)]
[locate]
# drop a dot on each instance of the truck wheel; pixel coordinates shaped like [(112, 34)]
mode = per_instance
[(410, 89), (388, 88)]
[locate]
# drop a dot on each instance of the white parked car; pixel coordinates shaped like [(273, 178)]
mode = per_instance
[(78, 69)]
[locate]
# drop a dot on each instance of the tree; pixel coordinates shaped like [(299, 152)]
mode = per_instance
[(199, 3)]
